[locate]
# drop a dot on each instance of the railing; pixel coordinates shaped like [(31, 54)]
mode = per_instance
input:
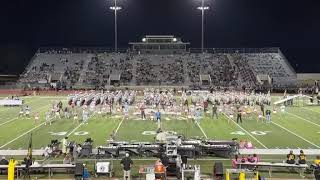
[(80, 50), (236, 50), (124, 50)]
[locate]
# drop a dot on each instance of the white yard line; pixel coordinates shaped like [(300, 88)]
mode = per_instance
[(118, 127), (247, 133), (75, 129), (202, 130), (295, 134), (303, 119), (311, 110), (8, 121), (16, 118), (250, 135), (22, 135), (80, 125)]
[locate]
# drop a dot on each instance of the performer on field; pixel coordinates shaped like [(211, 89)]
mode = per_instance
[(27, 112), (21, 112), (36, 118), (48, 119)]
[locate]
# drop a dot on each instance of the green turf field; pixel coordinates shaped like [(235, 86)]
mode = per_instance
[(298, 127)]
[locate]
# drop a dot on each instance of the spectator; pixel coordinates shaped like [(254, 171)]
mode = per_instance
[(67, 159), (3, 161), (291, 158), (302, 157), (235, 162), (317, 161)]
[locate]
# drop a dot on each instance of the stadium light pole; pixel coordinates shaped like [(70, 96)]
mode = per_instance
[(115, 8), (202, 8)]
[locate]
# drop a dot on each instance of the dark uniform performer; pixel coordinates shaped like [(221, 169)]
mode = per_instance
[(28, 163), (214, 111), (126, 162), (302, 158), (291, 158), (262, 108), (239, 115)]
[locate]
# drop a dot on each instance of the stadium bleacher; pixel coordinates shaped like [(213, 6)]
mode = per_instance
[(93, 69)]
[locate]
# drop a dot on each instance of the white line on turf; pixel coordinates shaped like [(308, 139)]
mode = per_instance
[(8, 121), (248, 133), (202, 130), (80, 125), (16, 118), (22, 135), (311, 110), (75, 129), (118, 127), (295, 134), (303, 119)]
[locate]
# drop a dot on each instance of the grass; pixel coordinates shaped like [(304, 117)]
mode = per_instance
[(298, 127)]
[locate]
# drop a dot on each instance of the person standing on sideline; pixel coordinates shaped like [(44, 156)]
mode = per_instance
[(268, 116), (126, 163), (214, 111)]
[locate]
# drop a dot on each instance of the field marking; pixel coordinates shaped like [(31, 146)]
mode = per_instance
[(118, 127), (74, 129), (13, 119), (311, 110), (250, 135), (295, 134), (80, 125), (16, 118), (247, 132), (22, 135), (202, 130), (303, 119)]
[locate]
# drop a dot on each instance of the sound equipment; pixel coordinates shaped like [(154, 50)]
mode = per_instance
[(79, 169), (218, 169), (103, 167), (317, 173)]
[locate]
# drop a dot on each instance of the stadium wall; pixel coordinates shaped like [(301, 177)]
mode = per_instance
[(307, 79)]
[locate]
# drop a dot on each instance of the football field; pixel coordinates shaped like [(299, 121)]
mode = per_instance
[(297, 127)]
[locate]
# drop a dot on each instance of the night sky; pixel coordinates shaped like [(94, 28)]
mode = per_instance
[(290, 24)]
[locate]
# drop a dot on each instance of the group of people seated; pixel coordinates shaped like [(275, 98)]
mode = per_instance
[(244, 159), (291, 158)]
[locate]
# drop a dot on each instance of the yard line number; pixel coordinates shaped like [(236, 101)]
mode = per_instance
[(258, 133)]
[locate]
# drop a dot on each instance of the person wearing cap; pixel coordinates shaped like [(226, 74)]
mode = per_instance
[(3, 161), (126, 163)]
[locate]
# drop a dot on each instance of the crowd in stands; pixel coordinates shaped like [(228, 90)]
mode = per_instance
[(159, 69), (99, 69)]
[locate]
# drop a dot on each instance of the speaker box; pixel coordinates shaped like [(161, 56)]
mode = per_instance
[(218, 169), (78, 169), (317, 174)]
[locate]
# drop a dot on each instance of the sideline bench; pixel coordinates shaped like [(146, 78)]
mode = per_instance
[(44, 167), (300, 167)]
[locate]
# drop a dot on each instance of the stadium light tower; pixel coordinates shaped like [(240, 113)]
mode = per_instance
[(202, 8), (115, 8)]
